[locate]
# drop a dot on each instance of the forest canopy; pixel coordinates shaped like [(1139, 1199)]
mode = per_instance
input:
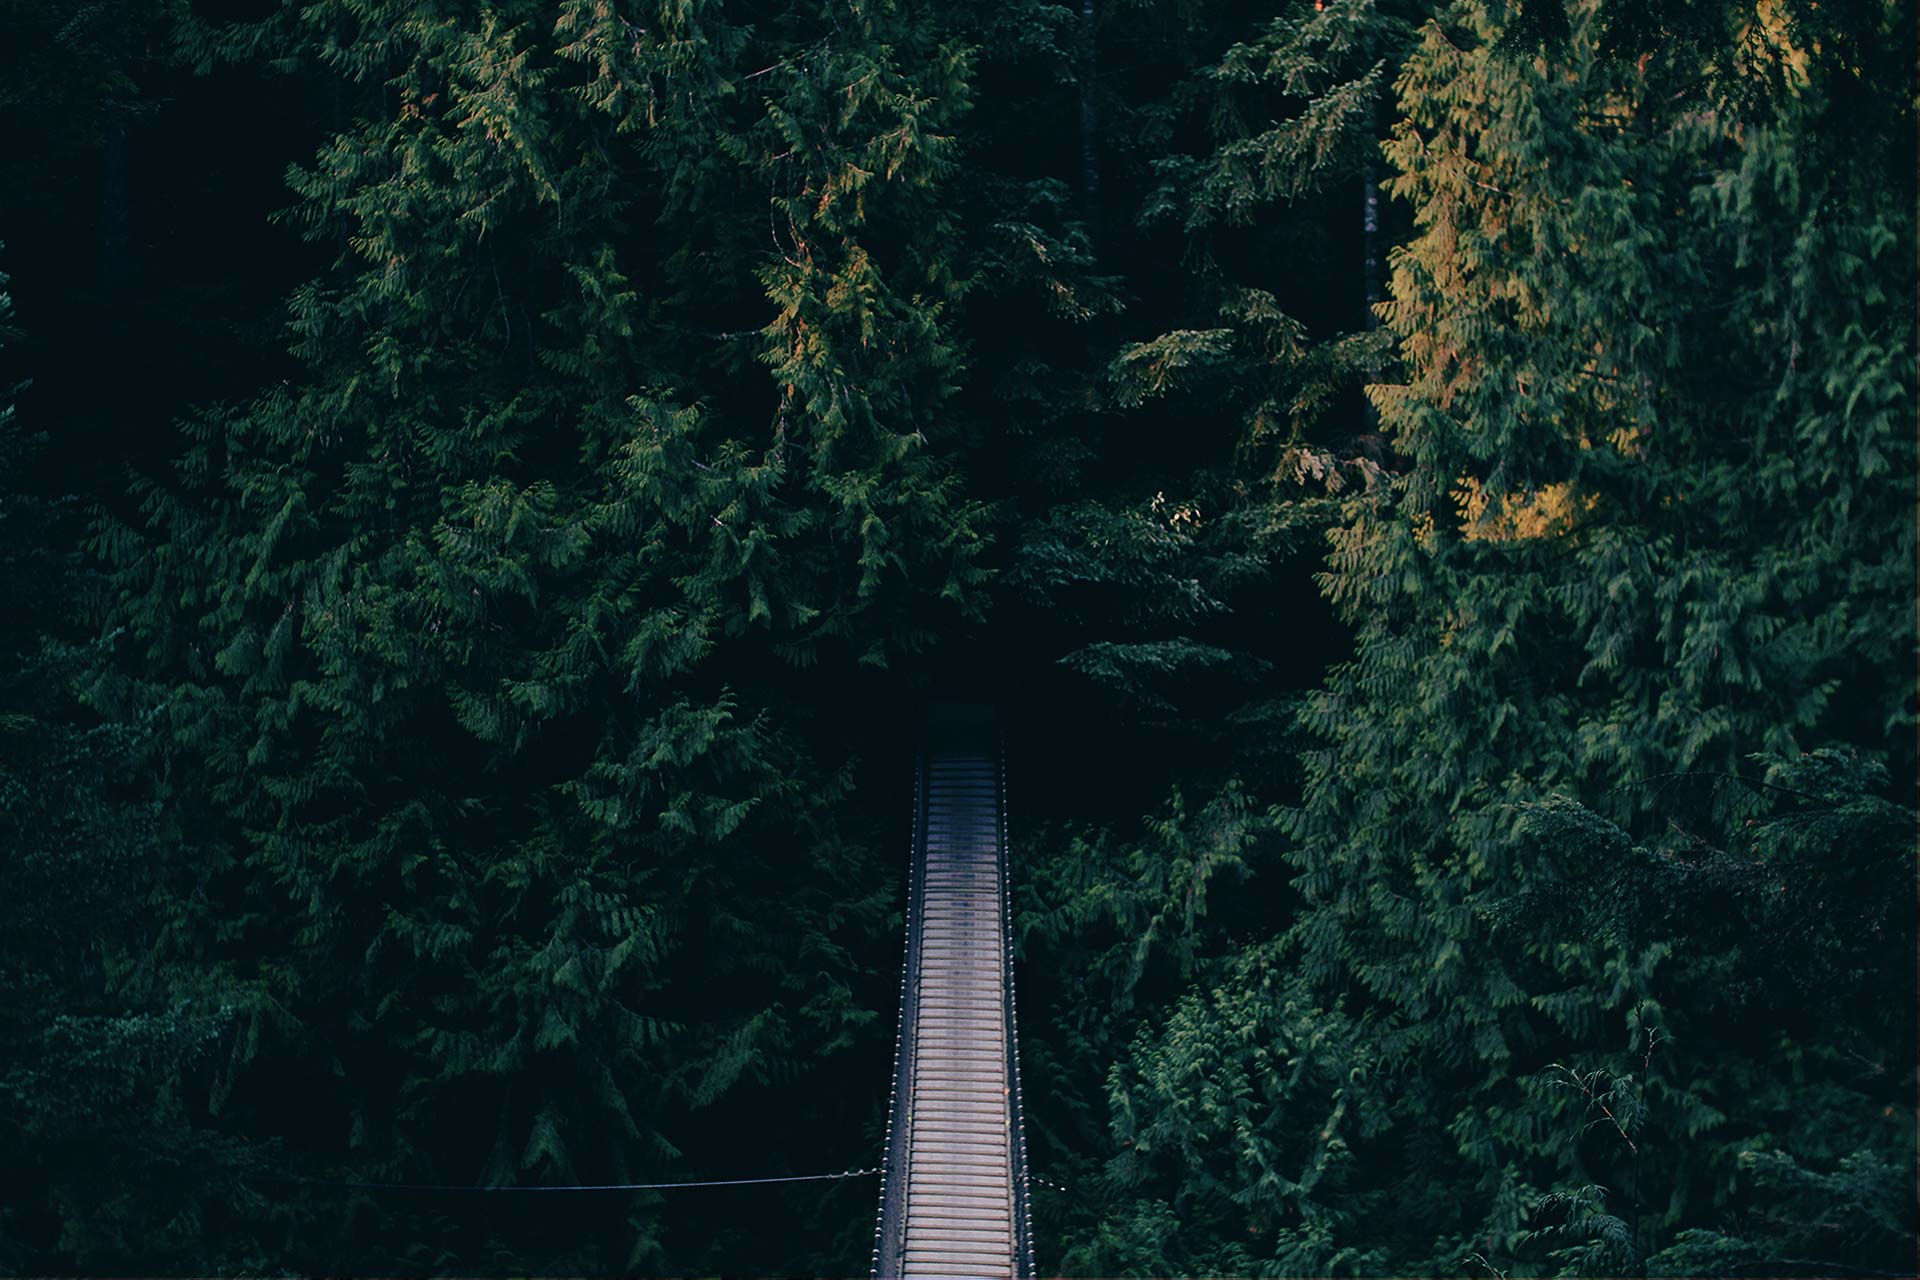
[(485, 488)]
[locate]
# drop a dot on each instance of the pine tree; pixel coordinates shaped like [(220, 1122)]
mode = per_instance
[(1769, 1059), (1231, 391), (476, 645), (1655, 519), (1648, 531), (107, 1170)]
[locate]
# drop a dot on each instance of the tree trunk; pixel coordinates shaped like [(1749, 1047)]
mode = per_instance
[(1089, 120), (116, 267)]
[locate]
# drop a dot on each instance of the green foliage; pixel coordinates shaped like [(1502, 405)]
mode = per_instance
[(478, 641), (1768, 1008), (1289, 114), (1804, 1219), (1649, 517), (69, 75), (88, 1052), (1630, 363), (468, 785)]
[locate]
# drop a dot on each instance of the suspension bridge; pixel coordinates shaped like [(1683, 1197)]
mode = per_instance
[(954, 1180), (953, 1199)]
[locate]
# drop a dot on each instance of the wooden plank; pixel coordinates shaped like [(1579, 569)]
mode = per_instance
[(999, 1244), (947, 1171), (983, 1005), (993, 1085), (960, 1015), (933, 1200), (957, 1255), (963, 1036), (978, 1105), (958, 1093), (978, 1233), (979, 1225), (976, 1052), (970, 1216), (941, 1129), (1001, 1247), (931, 1134), (985, 1222), (950, 1219), (990, 1113), (976, 1006), (970, 1158), (953, 1143), (982, 1113), (954, 1181), (941, 1267), (962, 1202)]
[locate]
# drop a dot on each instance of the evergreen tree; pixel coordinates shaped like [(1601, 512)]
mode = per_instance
[(478, 783), (107, 1170), (477, 647), (1651, 517), (1755, 1117), (1232, 392)]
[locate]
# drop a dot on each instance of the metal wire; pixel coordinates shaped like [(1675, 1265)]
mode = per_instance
[(888, 1230), (474, 1189), (1023, 1260)]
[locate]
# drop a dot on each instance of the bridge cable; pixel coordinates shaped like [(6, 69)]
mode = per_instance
[(468, 1188)]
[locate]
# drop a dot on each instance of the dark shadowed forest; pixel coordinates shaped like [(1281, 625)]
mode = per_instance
[(486, 488)]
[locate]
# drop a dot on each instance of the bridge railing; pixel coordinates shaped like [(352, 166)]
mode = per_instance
[(1023, 1264), (889, 1236)]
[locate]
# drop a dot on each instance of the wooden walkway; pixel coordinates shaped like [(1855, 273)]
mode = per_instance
[(955, 1201)]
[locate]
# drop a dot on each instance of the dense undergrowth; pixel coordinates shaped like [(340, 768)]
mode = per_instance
[(486, 487)]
